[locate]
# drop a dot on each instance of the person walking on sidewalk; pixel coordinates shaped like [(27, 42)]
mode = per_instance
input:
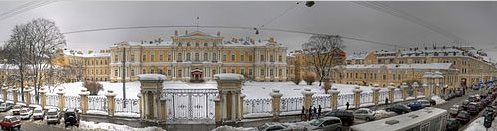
[(302, 114), (319, 111), (347, 104)]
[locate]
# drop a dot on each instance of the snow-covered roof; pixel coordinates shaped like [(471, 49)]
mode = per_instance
[(93, 54), (436, 66), (354, 56), (229, 77), (151, 77)]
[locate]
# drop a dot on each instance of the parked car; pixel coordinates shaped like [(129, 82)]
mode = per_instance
[(432, 102), (272, 127), (326, 124), (416, 105), (9, 122), (5, 107), (425, 102), (345, 116), (463, 117), (452, 124), (473, 98), (365, 114), (455, 109), (53, 116), (71, 118), (26, 113), (459, 92), (399, 109), (476, 88), (16, 110), (473, 108), (465, 104), (38, 113)]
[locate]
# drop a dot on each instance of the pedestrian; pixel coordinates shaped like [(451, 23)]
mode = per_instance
[(310, 113), (302, 114), (319, 111), (386, 101), (347, 104), (315, 112)]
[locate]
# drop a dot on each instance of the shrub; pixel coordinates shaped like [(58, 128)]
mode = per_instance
[(93, 87), (297, 80), (327, 86), (309, 78)]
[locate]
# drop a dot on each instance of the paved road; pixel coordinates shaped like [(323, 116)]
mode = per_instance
[(30, 125)]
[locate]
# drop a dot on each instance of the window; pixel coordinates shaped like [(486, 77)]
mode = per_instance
[(214, 57), (384, 77), (196, 44), (214, 72), (233, 70), (161, 58), (179, 73), (205, 44), (188, 56), (169, 72), (197, 57), (144, 71), (132, 58), (116, 58), (250, 58), (250, 72), (169, 57), (280, 72), (280, 58), (224, 70), (233, 57), (206, 56), (263, 72), (224, 58), (271, 58), (179, 57), (242, 57), (116, 73), (262, 57), (132, 72), (152, 58), (144, 57), (160, 71), (180, 44), (188, 44), (242, 71)]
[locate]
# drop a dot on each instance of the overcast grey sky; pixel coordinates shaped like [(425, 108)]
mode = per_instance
[(474, 22)]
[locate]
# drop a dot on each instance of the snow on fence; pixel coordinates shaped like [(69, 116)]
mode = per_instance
[(397, 94), (72, 102), (324, 101), (132, 105), (291, 104), (383, 95), (10, 97), (344, 98), (190, 104), (366, 98), (52, 100), (260, 105), (97, 103)]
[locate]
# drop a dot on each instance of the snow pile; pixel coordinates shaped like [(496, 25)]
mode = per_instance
[(230, 128), (380, 114), (151, 77), (438, 100), (114, 127), (477, 125)]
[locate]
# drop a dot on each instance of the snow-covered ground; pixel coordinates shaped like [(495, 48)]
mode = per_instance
[(250, 89), (230, 128), (114, 127), (477, 125), (380, 114)]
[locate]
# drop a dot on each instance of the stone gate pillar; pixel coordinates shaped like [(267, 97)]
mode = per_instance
[(242, 97), (4, 93), (61, 98), (151, 86), (357, 96), (307, 98), (228, 101), (27, 96), (414, 88), (391, 93), (43, 97), (84, 100), (376, 94), (111, 102), (275, 104), (426, 90), (14, 94), (403, 90), (334, 98)]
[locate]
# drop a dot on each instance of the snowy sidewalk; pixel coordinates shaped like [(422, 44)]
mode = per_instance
[(477, 125)]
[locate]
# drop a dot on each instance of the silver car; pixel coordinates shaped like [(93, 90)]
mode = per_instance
[(325, 124), (365, 114), (425, 103), (272, 127), (455, 109)]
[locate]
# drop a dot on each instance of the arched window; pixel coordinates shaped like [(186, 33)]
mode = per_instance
[(206, 56), (188, 56), (214, 57), (197, 57), (179, 57)]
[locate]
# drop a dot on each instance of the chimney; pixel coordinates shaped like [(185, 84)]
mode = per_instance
[(218, 33), (175, 32), (186, 32)]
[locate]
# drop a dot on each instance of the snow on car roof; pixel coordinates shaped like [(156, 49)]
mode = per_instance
[(9, 117)]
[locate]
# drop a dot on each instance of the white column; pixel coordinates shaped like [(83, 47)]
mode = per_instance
[(233, 106), (225, 114)]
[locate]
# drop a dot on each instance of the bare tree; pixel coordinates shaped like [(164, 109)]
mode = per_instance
[(322, 53), (33, 46)]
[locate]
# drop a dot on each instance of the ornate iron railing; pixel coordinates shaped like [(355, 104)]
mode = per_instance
[(10, 97), (132, 105), (344, 98), (366, 97), (397, 94), (97, 103), (324, 101), (72, 102), (383, 95), (291, 104), (262, 105), (52, 100), (190, 104)]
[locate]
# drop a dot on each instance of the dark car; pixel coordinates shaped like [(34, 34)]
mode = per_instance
[(463, 117), (399, 109), (345, 116), (459, 92), (473, 98), (71, 117), (473, 108), (452, 125), (432, 102), (416, 105), (465, 104)]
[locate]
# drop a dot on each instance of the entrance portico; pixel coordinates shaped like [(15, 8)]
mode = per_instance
[(197, 75)]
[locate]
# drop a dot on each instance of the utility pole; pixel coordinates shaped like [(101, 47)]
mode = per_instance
[(123, 77)]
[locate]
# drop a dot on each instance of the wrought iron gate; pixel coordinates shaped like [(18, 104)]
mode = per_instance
[(190, 104)]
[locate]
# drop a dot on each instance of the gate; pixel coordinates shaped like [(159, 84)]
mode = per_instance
[(190, 104)]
